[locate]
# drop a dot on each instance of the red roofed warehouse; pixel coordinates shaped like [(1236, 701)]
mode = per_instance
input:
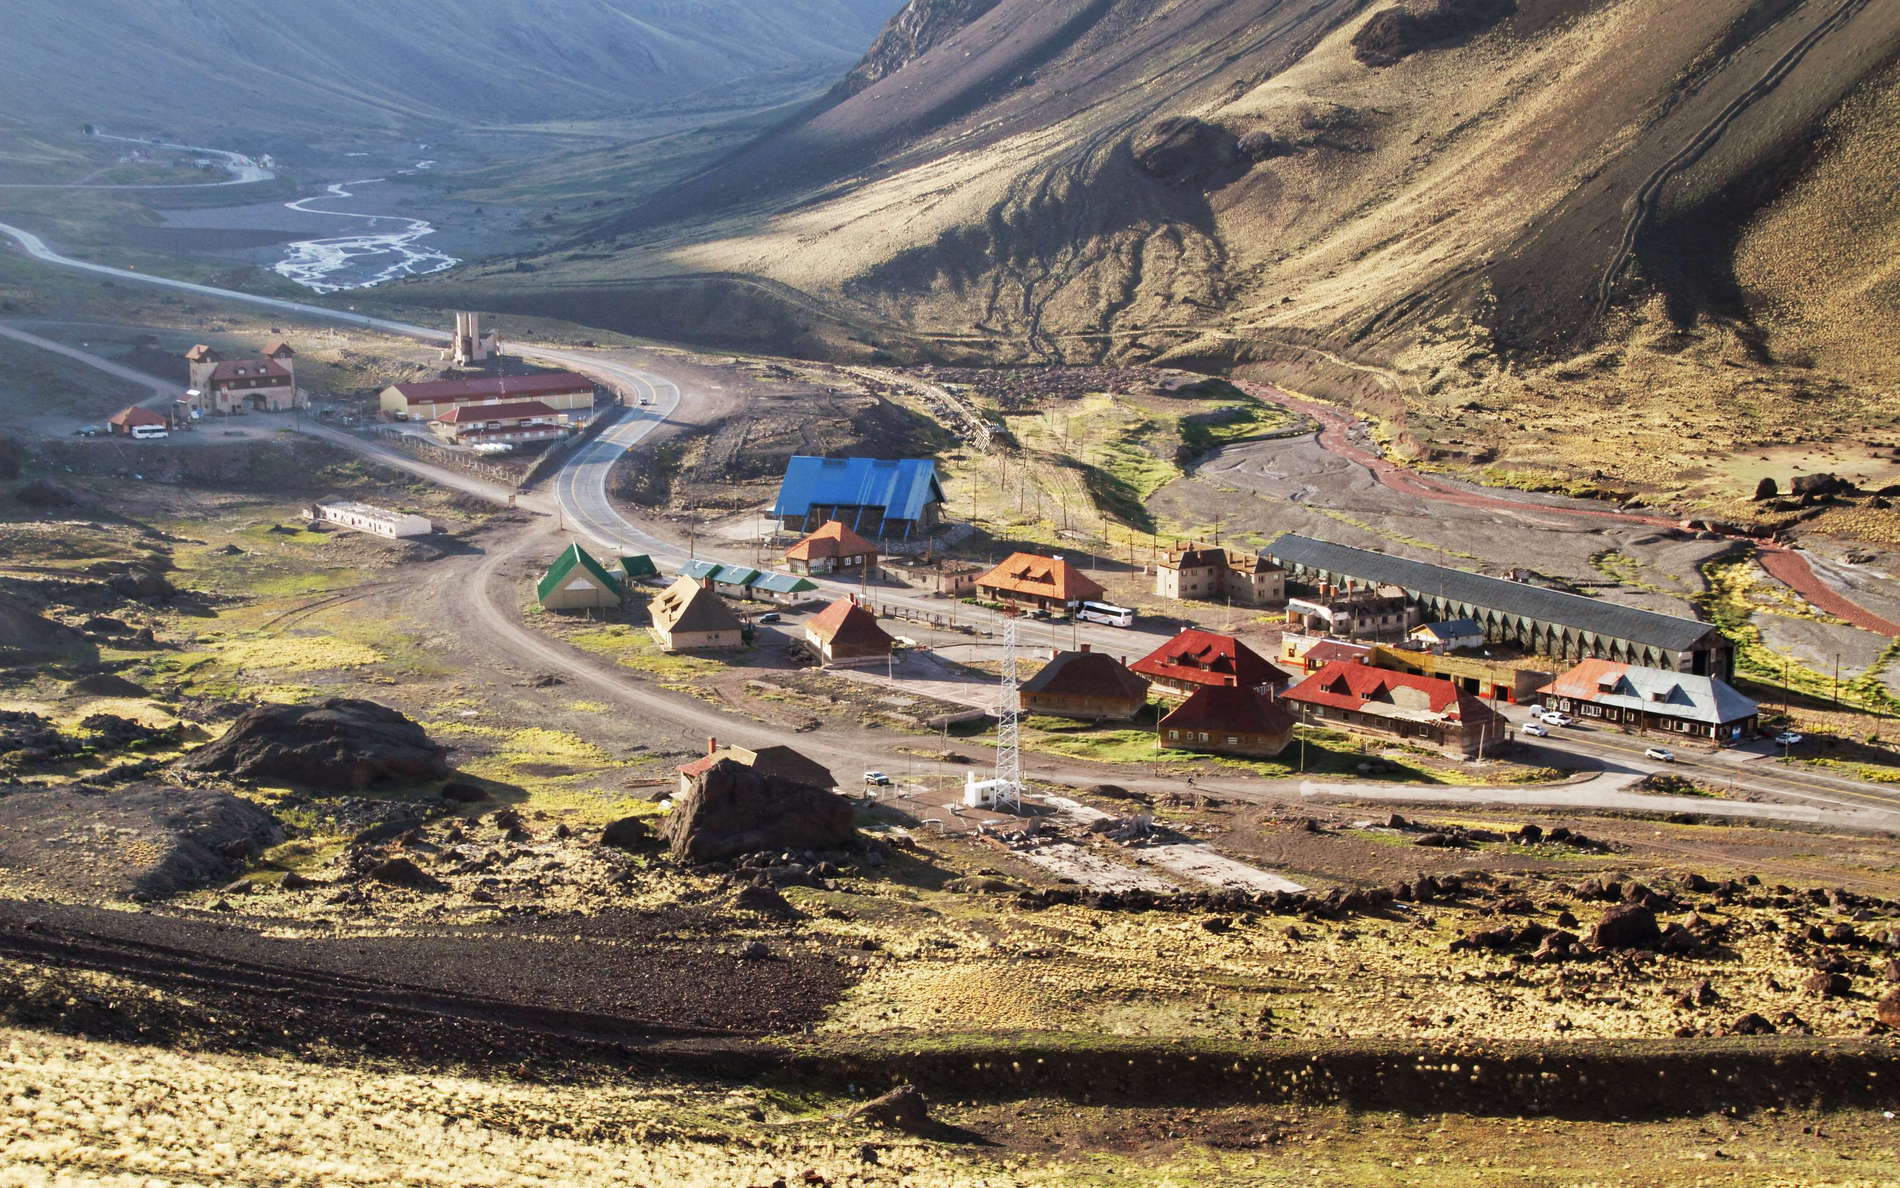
[(1038, 583), (517, 421), (1418, 709), (562, 391), (1088, 685), (1195, 658), (834, 548), (846, 633), (265, 383), (1229, 721)]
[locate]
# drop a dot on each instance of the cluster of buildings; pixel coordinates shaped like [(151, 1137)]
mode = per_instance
[(220, 387), (506, 410)]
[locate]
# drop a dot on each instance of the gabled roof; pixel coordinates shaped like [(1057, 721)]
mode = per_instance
[(1194, 559), (1350, 685), (688, 606), (232, 370), (495, 387), (640, 566), (201, 354), (1203, 658), (564, 568), (778, 760), (515, 410), (845, 622), (1086, 674), (901, 488), (1449, 629), (1328, 650), (278, 350), (136, 415), (1607, 619), (832, 540), (1654, 690), (1042, 577), (747, 577), (1227, 709)]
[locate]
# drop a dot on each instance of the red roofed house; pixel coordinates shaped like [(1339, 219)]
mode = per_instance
[(562, 391), (1228, 720), (846, 633), (266, 383), (1197, 658), (1418, 709), (1038, 583), (507, 424), (1087, 685), (780, 761), (1315, 654), (834, 548), (127, 419)]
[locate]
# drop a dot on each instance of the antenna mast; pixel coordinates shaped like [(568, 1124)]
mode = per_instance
[(1009, 741)]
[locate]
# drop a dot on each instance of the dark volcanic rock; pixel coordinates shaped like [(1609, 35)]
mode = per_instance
[(733, 810), (401, 872), (1887, 1010), (142, 584), (1829, 985), (1395, 33), (106, 684), (340, 744), (903, 1109), (138, 841), (1820, 485), (45, 493), (1186, 151), (629, 833), (1630, 926), (1751, 1024)]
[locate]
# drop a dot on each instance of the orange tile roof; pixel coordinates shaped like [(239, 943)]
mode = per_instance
[(845, 622), (835, 539), (1041, 577)]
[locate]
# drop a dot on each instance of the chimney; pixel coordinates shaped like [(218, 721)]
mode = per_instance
[(712, 746)]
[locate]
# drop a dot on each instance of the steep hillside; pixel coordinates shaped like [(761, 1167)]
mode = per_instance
[(1440, 207), (251, 65)]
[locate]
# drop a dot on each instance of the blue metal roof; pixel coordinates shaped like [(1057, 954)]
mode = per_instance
[(746, 577), (902, 488)]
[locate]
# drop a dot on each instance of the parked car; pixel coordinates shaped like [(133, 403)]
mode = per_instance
[(771, 617), (1659, 754), (88, 431), (1536, 729), (1787, 738), (877, 779), (1556, 719)]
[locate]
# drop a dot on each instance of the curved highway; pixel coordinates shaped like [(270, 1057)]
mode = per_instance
[(244, 171)]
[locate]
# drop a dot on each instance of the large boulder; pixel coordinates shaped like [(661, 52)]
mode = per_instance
[(1628, 926), (25, 633), (341, 744), (732, 810), (136, 841)]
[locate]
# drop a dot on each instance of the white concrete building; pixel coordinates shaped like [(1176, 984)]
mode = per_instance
[(361, 517)]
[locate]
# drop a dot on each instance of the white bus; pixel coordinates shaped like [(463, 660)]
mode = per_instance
[(1106, 612), (148, 432)]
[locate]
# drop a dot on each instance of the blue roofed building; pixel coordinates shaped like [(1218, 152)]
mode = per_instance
[(742, 581), (871, 496)]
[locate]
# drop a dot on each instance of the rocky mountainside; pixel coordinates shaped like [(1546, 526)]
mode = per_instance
[(255, 66), (1430, 203)]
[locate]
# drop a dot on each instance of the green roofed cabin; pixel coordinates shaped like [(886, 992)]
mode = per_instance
[(578, 582), (639, 569)]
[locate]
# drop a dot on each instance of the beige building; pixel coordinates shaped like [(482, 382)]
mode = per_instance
[(1217, 575), (562, 391), (689, 617), (223, 387)]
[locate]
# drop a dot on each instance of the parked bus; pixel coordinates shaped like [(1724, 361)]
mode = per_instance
[(147, 432), (1106, 612)]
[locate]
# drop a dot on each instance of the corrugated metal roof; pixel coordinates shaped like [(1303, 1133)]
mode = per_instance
[(747, 577), (782, 583), (575, 558), (1655, 691), (1591, 615), (902, 488)]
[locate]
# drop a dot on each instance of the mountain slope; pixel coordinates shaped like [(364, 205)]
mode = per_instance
[(404, 64), (1514, 230)]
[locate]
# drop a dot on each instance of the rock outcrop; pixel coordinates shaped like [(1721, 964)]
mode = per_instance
[(138, 841), (1395, 33), (733, 810), (341, 744)]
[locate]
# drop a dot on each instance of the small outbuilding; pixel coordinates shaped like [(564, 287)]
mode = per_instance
[(780, 761), (1092, 686), (845, 633), (578, 582), (365, 517), (126, 420), (1449, 635), (639, 568)]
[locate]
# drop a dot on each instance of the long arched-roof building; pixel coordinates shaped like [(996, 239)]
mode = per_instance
[(1549, 622)]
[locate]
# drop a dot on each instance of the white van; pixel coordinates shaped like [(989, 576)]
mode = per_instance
[(147, 432)]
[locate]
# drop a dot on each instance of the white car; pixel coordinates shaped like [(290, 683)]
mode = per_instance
[(1534, 728), (1659, 754), (1787, 738), (877, 779), (1557, 719)]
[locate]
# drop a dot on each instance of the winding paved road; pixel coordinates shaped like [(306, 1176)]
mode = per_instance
[(581, 495), (244, 171)]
